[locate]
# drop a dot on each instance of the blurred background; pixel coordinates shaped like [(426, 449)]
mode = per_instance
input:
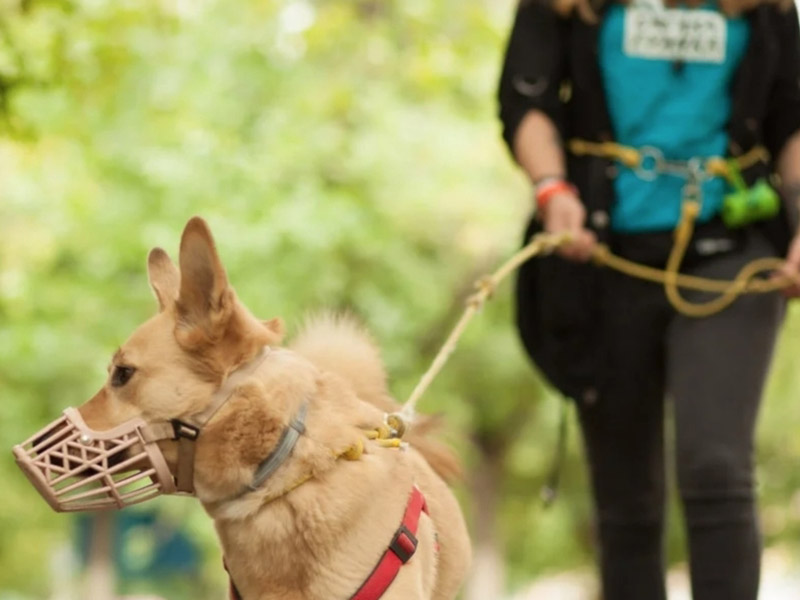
[(346, 154)]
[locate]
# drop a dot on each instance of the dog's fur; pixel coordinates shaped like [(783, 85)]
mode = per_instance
[(321, 539)]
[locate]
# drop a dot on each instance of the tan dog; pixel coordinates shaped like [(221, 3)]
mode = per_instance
[(317, 527)]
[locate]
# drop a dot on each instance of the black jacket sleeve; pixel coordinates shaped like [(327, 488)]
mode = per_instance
[(534, 67), (783, 108)]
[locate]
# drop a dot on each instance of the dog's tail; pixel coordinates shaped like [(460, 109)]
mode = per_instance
[(440, 456), (338, 343)]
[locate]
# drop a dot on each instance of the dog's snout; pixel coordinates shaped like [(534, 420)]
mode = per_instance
[(46, 442), (41, 442), (68, 456)]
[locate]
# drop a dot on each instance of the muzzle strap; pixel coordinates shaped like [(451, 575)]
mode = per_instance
[(187, 431), (155, 432), (222, 395), (187, 436)]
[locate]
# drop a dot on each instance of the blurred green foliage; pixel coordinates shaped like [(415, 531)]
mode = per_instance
[(346, 155)]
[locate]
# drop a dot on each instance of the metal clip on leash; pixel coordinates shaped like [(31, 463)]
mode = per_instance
[(744, 282)]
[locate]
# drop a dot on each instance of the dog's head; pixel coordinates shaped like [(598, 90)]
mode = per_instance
[(169, 369), (171, 364)]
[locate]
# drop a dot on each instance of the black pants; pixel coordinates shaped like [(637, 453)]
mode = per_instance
[(713, 369)]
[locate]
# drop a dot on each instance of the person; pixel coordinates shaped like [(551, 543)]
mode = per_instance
[(583, 87)]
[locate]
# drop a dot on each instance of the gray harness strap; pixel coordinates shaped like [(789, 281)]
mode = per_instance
[(286, 444)]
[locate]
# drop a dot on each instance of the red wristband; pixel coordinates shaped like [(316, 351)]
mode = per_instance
[(547, 190)]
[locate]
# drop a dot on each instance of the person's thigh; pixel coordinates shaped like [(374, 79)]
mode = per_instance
[(623, 426), (623, 438), (716, 369)]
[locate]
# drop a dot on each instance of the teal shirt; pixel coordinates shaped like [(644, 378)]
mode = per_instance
[(681, 108)]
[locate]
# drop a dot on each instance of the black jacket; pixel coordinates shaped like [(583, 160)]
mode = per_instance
[(551, 65)]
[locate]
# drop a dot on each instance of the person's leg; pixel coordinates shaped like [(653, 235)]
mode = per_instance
[(716, 368), (623, 438)]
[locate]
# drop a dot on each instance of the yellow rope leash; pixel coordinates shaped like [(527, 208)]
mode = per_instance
[(742, 284), (545, 243), (540, 244), (389, 434), (603, 257), (746, 281)]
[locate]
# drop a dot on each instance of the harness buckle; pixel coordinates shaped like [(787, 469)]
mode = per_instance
[(404, 544), (651, 163), (184, 430)]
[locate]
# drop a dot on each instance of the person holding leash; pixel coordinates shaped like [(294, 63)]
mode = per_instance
[(617, 112)]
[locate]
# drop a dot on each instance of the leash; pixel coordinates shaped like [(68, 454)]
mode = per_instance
[(647, 163), (542, 244), (390, 434), (671, 279), (539, 245)]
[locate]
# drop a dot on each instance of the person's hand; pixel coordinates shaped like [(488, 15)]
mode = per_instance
[(792, 268), (564, 213)]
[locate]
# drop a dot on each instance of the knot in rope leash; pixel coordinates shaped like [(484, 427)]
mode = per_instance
[(390, 433)]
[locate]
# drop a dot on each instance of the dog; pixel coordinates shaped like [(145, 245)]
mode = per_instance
[(286, 447)]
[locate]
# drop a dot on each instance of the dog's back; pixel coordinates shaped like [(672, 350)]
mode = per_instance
[(338, 343)]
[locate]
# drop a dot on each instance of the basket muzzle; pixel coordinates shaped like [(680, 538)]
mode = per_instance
[(76, 468)]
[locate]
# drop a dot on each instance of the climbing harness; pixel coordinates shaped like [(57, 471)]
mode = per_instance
[(741, 207), (649, 161), (404, 542)]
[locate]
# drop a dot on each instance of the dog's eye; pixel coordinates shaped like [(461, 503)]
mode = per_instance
[(121, 375)]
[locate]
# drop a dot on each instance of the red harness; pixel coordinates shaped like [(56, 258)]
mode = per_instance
[(400, 550)]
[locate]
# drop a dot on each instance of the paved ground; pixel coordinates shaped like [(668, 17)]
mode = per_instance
[(780, 581)]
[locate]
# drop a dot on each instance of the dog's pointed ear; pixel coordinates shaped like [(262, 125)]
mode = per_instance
[(205, 300), (164, 278)]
